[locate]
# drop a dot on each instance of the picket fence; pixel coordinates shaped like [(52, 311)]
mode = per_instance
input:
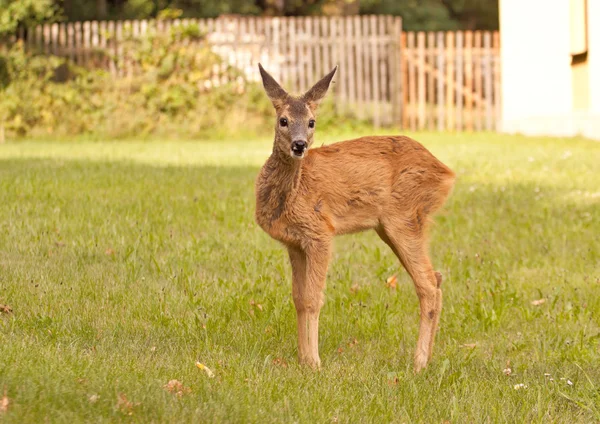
[(434, 80)]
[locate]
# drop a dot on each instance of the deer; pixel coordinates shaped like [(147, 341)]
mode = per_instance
[(306, 196)]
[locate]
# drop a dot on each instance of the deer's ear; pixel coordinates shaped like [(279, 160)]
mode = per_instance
[(318, 91), (272, 88)]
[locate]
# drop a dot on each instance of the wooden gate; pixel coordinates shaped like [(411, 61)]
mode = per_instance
[(451, 80)]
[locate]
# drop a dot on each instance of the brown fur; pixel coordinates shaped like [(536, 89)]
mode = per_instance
[(391, 184)]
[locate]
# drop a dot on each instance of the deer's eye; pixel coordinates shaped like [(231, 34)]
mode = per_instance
[(283, 122), (311, 123)]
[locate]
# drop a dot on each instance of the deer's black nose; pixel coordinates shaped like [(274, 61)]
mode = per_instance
[(298, 146)]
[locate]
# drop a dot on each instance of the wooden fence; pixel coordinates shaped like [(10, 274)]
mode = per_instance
[(451, 80), (436, 81)]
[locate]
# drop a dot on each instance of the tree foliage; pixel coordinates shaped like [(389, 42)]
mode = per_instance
[(416, 14), (27, 13)]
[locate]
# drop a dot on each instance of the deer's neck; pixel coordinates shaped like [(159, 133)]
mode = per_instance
[(277, 187), (284, 173)]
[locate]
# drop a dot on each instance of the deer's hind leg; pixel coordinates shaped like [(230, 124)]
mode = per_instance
[(410, 246)]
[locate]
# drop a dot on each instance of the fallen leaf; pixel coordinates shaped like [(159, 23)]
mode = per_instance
[(109, 252), (5, 309), (280, 362), (124, 405), (538, 302), (177, 387), (4, 403), (205, 369), (354, 289), (469, 345), (392, 282), (93, 398), (256, 305), (59, 243), (392, 379), (340, 350)]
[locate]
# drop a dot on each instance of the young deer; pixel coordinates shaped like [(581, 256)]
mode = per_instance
[(306, 197)]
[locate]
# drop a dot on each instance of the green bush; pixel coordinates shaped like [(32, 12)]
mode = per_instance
[(166, 90), (164, 93)]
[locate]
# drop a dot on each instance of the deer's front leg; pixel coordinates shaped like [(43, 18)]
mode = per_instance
[(309, 270)]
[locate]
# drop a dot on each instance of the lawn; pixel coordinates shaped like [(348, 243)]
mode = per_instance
[(123, 264)]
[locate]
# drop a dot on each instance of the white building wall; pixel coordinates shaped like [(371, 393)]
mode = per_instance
[(594, 53), (536, 69)]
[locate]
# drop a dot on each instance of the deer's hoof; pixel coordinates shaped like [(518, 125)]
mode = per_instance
[(313, 363), (420, 362)]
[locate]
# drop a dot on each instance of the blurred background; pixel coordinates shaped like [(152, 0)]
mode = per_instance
[(147, 68), (157, 68)]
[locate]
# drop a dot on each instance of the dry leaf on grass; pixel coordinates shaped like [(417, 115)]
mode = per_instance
[(124, 405), (109, 252), (177, 387), (93, 398), (353, 342), (354, 289), (280, 361), (5, 309), (205, 369), (256, 305), (4, 403), (392, 282), (538, 302)]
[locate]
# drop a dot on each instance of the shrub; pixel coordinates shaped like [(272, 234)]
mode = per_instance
[(165, 92)]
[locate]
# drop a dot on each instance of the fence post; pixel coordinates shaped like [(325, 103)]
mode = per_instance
[(441, 124), (487, 44), (397, 72)]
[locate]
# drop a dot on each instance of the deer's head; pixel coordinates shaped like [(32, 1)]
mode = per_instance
[(296, 116)]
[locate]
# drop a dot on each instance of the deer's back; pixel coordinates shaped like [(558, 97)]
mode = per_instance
[(359, 180)]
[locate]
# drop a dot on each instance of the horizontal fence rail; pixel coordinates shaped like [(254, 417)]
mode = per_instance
[(434, 80)]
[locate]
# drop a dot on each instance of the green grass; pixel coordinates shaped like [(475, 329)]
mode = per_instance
[(125, 263)]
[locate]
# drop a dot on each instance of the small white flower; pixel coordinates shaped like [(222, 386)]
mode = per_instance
[(507, 371), (569, 382), (520, 386), (546, 374)]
